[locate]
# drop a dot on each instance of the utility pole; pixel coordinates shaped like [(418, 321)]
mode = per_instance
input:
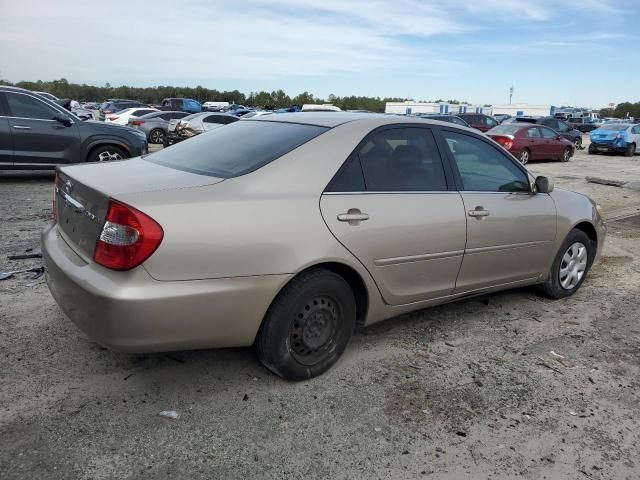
[(510, 94)]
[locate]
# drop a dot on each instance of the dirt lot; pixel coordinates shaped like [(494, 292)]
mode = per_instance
[(468, 390)]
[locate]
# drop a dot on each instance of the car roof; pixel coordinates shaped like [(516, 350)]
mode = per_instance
[(334, 119)]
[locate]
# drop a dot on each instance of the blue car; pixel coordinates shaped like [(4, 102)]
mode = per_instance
[(615, 138)]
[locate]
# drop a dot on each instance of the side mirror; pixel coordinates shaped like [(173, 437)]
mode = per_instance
[(64, 120), (559, 137), (544, 184)]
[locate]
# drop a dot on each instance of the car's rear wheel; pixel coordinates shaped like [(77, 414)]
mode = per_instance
[(525, 156), (630, 150), (566, 154), (106, 153), (570, 266), (308, 325), (156, 136)]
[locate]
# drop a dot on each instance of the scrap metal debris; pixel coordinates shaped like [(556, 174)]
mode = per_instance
[(605, 181), (39, 271)]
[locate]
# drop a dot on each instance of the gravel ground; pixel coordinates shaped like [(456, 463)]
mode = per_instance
[(504, 386)]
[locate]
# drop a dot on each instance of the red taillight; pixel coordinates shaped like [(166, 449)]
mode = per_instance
[(54, 212), (506, 142), (136, 122), (127, 239), (108, 111), (112, 117)]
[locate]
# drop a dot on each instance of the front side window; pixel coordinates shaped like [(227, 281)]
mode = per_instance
[(401, 160), (548, 133), (562, 127), (214, 119), (237, 149), (482, 167), (25, 106)]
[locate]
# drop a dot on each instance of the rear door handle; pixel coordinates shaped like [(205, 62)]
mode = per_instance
[(21, 127), (479, 212), (354, 216)]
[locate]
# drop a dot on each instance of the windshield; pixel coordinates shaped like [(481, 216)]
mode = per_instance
[(236, 149), (615, 126), (505, 129)]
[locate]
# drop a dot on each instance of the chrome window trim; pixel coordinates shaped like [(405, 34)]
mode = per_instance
[(398, 192), (58, 108)]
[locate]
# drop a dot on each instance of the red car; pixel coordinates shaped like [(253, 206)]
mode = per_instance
[(532, 142), (479, 121)]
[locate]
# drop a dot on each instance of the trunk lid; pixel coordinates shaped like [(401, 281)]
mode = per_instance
[(82, 194)]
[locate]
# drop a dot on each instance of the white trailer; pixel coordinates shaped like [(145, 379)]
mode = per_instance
[(524, 110), (412, 108)]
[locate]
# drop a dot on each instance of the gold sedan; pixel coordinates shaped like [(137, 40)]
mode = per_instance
[(285, 231)]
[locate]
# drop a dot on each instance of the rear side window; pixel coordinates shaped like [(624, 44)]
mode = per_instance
[(533, 133), (214, 119), (402, 160), (349, 178), (484, 168), (236, 149)]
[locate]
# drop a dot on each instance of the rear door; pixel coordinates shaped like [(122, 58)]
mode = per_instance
[(510, 229), (535, 143), (38, 139), (6, 141), (393, 205)]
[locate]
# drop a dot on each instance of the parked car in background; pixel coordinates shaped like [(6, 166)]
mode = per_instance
[(117, 105), (75, 108), (325, 107), (532, 142), (560, 126), (181, 104), (615, 138), (284, 232), (479, 121), (196, 124), (155, 124), (256, 113), (444, 118), (214, 106), (584, 124), (36, 133), (122, 117), (501, 117)]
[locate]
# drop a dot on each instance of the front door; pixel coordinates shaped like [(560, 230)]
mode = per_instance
[(510, 228), (38, 139), (394, 208), (535, 143), (553, 146)]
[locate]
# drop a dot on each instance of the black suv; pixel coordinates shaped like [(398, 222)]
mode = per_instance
[(114, 105), (36, 133), (560, 126)]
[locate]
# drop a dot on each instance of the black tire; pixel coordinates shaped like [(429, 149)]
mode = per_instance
[(525, 156), (592, 149), (105, 153), (630, 150), (566, 154), (577, 143), (156, 136), (552, 287), (308, 326)]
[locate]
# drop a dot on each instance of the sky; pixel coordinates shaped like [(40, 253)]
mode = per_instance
[(582, 52)]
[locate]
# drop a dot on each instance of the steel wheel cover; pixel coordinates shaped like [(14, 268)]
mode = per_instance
[(573, 266)]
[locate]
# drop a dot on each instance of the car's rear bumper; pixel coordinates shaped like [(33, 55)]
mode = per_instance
[(132, 312), (608, 147)]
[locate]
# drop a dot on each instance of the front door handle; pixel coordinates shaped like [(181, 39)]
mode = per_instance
[(354, 216), (21, 127), (479, 212)]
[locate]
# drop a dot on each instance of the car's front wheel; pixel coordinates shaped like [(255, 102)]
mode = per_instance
[(566, 154), (570, 266), (308, 325), (106, 153), (630, 150), (592, 149)]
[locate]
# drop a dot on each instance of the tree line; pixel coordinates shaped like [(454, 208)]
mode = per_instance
[(152, 95), (622, 110)]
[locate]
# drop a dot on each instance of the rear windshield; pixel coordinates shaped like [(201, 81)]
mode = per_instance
[(236, 149), (505, 129)]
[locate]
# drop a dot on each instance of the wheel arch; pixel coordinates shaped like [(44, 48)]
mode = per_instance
[(102, 142), (350, 275), (590, 230)]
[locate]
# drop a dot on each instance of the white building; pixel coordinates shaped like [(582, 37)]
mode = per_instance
[(524, 110), (411, 108)]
